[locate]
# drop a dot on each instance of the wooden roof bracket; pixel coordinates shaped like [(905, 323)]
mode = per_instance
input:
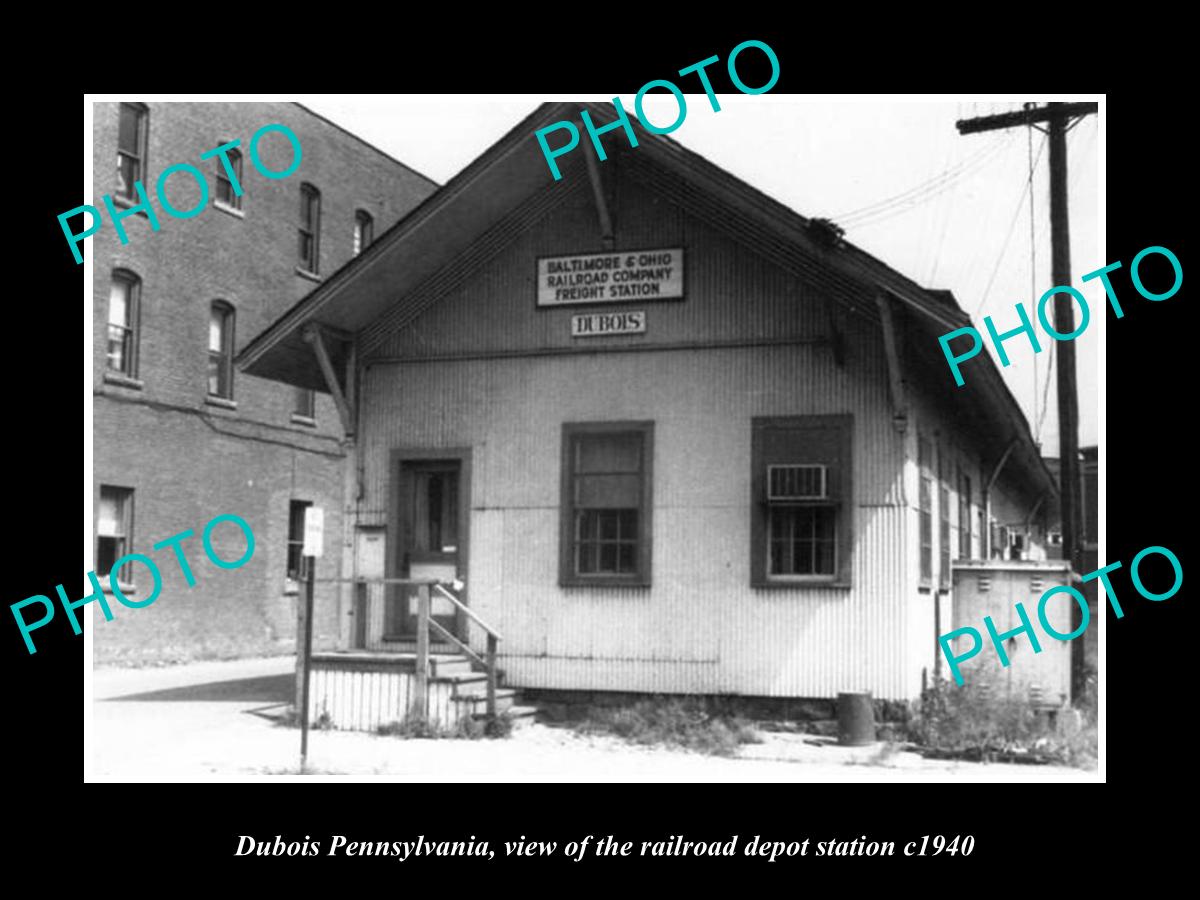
[(602, 212), (895, 372), (314, 336)]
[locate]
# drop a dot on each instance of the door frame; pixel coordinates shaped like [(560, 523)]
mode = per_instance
[(396, 537)]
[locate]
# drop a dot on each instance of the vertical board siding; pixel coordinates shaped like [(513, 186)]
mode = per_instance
[(363, 699)]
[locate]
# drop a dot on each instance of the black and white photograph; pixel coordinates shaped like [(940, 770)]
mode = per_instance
[(546, 440)]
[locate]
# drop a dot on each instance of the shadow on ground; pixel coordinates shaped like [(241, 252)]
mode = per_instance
[(267, 688)]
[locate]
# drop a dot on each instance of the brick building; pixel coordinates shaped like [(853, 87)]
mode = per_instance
[(179, 438)]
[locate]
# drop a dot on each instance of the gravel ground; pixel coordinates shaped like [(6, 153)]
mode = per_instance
[(209, 722)]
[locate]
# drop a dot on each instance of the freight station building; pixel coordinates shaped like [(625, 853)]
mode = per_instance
[(669, 435)]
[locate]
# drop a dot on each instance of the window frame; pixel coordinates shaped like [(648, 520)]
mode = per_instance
[(839, 471), (235, 199), (292, 578), (965, 518), (945, 506), (133, 317), (304, 411), (310, 207), (126, 499), (225, 354), (364, 225), (567, 576), (143, 148), (925, 510)]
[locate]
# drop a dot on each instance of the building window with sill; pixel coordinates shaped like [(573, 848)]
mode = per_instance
[(606, 503), (801, 529), (124, 311), (925, 500), (944, 536), (306, 403), (295, 542), (226, 195), (310, 227), (364, 231), (220, 350), (132, 139), (964, 513), (114, 532)]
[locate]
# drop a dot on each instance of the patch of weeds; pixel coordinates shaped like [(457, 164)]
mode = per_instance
[(467, 729), (981, 720), (412, 727), (499, 727), (671, 722)]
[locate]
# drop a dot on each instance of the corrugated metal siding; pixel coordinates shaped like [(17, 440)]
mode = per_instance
[(483, 367), (700, 627)]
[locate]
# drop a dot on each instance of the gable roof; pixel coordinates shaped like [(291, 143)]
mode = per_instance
[(439, 230)]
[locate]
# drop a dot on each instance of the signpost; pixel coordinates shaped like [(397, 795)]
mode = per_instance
[(314, 535)]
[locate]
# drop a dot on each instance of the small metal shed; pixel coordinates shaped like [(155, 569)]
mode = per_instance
[(994, 588)]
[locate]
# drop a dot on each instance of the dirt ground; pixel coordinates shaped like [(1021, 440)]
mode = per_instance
[(210, 722)]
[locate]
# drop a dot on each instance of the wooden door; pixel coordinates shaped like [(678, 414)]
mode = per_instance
[(429, 546)]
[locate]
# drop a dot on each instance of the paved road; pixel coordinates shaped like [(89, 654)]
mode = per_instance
[(207, 722)]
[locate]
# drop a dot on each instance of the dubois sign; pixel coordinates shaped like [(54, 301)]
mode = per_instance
[(596, 324), (610, 277)]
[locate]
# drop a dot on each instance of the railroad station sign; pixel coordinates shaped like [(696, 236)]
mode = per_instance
[(616, 277)]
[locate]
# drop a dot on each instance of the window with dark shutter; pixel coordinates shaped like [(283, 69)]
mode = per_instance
[(801, 504), (606, 511)]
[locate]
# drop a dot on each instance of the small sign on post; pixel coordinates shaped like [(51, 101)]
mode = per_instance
[(314, 531)]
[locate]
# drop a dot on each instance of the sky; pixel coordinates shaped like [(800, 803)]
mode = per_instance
[(947, 210)]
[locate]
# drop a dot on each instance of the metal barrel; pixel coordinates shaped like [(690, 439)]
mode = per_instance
[(856, 718)]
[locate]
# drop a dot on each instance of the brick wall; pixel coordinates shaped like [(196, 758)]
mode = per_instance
[(187, 459)]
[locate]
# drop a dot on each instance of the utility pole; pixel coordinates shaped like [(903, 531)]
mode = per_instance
[(1058, 117)]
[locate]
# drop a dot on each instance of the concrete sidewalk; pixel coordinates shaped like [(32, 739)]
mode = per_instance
[(205, 722)]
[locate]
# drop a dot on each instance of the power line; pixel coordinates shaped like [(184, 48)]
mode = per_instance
[(947, 175), (1008, 237)]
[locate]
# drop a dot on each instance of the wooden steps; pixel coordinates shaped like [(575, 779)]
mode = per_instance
[(457, 688)]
